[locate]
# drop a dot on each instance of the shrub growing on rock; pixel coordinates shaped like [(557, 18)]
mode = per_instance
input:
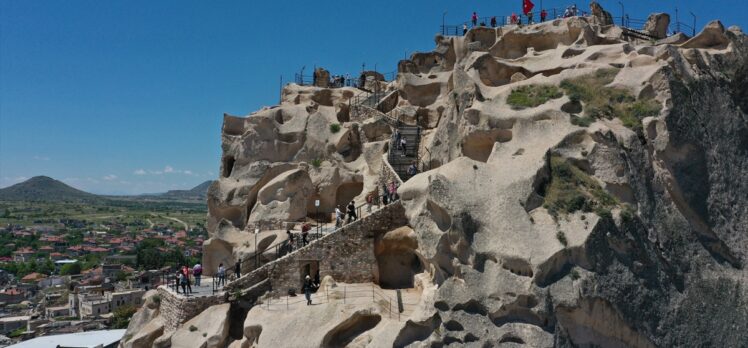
[(570, 190), (605, 102), (531, 96), (334, 128)]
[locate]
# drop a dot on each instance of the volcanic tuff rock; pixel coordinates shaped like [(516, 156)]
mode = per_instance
[(581, 188)]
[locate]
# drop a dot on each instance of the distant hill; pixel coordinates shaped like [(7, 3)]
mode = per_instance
[(198, 192), (44, 188)]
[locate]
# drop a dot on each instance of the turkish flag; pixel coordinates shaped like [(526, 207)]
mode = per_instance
[(527, 6)]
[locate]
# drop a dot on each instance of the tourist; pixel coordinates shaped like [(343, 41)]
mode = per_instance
[(398, 136), (392, 191), (178, 281), (197, 271), (338, 217), (305, 228), (514, 18), (474, 19), (238, 266), (221, 275), (348, 78), (183, 282), (412, 169), (369, 201), (308, 288), (404, 146), (529, 18), (464, 29), (543, 15), (493, 22), (385, 195), (186, 278), (290, 239), (352, 212)]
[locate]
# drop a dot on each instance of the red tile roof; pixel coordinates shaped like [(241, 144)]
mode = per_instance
[(33, 277)]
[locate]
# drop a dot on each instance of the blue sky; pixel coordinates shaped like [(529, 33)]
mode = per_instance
[(125, 97)]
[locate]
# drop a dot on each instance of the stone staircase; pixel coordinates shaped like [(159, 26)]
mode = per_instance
[(399, 160), (373, 106), (258, 281)]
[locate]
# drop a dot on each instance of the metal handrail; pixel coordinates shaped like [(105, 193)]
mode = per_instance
[(279, 250), (349, 293), (503, 21), (625, 20)]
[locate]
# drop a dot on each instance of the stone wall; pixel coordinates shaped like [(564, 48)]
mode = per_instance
[(360, 113), (176, 310), (388, 174), (347, 255)]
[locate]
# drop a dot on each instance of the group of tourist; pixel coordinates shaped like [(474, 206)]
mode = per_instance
[(184, 275), (350, 212), (305, 228), (515, 19), (401, 143)]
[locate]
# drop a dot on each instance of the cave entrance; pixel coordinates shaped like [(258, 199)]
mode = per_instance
[(397, 260), (398, 269), (479, 144), (228, 166), (308, 268), (347, 192)]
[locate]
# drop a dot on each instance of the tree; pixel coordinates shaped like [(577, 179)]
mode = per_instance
[(70, 269), (121, 276), (121, 317)]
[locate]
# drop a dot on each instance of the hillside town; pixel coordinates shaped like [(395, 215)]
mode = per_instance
[(67, 276)]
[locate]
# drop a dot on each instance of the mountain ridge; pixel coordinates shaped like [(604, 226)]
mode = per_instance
[(47, 189)]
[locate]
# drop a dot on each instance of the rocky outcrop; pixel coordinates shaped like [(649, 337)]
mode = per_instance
[(657, 25), (145, 325), (210, 329), (582, 188)]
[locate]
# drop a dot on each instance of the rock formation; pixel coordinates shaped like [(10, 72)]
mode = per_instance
[(580, 187)]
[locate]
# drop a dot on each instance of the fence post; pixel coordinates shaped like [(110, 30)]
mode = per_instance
[(390, 307), (286, 302), (344, 293)]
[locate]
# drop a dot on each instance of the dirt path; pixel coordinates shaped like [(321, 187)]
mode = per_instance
[(186, 226)]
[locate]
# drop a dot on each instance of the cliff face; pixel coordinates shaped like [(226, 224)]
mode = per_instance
[(579, 187), (650, 257)]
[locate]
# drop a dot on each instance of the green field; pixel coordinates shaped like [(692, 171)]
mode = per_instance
[(135, 215)]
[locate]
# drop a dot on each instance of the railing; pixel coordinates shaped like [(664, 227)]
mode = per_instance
[(338, 81), (347, 293), (502, 21), (280, 249), (303, 80)]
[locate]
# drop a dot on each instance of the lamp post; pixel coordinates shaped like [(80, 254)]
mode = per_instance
[(316, 213), (444, 28), (623, 14), (677, 21), (693, 28), (257, 260)]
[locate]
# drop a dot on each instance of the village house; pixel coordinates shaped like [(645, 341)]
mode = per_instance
[(10, 324), (23, 255), (56, 312)]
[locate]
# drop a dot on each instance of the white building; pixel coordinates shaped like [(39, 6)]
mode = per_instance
[(88, 339)]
